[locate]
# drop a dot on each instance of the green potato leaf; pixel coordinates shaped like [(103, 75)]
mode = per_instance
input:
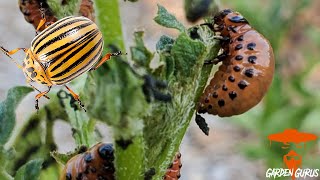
[(29, 171), (164, 18), (7, 111)]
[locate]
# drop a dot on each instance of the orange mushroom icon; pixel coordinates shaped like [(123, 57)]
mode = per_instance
[(292, 136), (292, 160)]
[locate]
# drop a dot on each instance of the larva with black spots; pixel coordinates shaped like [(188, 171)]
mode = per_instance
[(247, 67), (96, 163), (173, 172)]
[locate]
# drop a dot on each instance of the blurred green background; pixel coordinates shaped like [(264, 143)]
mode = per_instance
[(237, 147)]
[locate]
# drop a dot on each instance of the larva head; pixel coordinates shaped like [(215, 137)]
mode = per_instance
[(34, 70), (227, 19)]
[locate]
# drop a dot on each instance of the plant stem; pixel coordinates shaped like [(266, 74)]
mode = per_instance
[(128, 161), (109, 21), (4, 175)]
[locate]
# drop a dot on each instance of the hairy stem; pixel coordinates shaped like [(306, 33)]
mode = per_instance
[(129, 161)]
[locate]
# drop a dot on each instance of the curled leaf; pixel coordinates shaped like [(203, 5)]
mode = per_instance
[(168, 20), (140, 54), (165, 43)]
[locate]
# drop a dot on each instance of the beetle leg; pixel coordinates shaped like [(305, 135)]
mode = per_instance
[(14, 50), (38, 96), (76, 97), (28, 82), (8, 53), (42, 20), (41, 23), (106, 58), (39, 91)]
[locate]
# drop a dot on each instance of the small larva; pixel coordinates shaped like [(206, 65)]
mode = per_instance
[(247, 68), (173, 172)]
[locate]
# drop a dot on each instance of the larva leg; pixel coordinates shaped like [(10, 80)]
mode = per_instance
[(76, 97), (232, 28), (216, 60), (222, 38), (9, 53), (207, 24), (106, 58), (38, 96)]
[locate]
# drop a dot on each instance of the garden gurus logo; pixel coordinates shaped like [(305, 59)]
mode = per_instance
[(292, 160)]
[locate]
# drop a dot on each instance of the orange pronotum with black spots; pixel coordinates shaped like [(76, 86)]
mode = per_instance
[(247, 67), (61, 52)]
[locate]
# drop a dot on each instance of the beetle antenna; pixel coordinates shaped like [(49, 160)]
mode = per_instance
[(13, 60)]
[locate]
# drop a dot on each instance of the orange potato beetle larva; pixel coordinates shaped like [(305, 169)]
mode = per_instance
[(96, 163), (173, 172), (61, 52), (247, 67)]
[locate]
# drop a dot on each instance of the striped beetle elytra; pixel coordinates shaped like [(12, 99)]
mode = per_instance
[(61, 52)]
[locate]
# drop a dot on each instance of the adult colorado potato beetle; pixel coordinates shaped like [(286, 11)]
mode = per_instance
[(61, 52), (246, 71)]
